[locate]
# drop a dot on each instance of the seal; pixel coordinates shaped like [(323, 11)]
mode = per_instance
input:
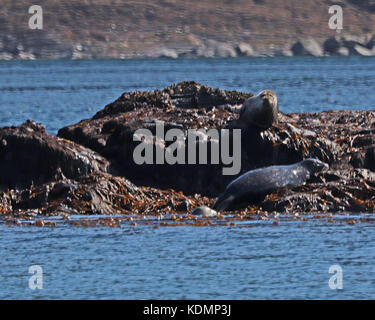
[(260, 111), (204, 211), (254, 185)]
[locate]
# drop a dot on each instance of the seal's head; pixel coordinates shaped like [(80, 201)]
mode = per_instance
[(269, 100), (260, 110), (314, 165)]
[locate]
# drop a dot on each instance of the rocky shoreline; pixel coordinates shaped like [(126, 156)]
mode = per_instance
[(88, 168), (45, 46)]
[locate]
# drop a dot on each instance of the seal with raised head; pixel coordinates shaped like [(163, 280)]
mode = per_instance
[(261, 110), (254, 185)]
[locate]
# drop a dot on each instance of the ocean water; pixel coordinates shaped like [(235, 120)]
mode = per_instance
[(256, 261), (58, 93)]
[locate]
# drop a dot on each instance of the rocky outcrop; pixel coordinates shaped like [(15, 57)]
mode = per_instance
[(349, 45), (96, 193), (307, 47), (244, 50), (35, 44), (183, 106), (341, 138), (42, 45), (90, 167), (30, 156)]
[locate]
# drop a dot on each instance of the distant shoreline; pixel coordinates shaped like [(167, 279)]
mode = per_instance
[(45, 46)]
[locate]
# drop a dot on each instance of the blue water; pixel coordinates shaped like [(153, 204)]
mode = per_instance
[(260, 261), (58, 93)]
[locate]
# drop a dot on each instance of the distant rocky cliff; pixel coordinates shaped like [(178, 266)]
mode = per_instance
[(75, 29)]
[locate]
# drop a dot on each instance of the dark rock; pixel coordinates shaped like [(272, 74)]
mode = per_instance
[(369, 161), (244, 50), (97, 193), (363, 51), (354, 44), (38, 43), (371, 43), (190, 106), (307, 47), (331, 46), (66, 177), (29, 155)]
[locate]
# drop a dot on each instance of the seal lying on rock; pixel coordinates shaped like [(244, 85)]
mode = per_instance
[(260, 110), (254, 185)]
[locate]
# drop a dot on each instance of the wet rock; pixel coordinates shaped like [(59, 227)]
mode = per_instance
[(96, 193), (35, 44), (351, 40), (369, 161), (244, 50), (331, 45), (225, 50), (6, 56), (338, 138), (164, 53), (343, 51), (29, 155), (187, 106), (353, 191), (371, 43), (363, 51), (354, 44), (55, 175), (212, 48), (183, 106), (307, 47), (204, 52)]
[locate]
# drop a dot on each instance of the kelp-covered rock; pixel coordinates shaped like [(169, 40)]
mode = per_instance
[(30, 156), (188, 94), (96, 193), (186, 106), (338, 190), (67, 176)]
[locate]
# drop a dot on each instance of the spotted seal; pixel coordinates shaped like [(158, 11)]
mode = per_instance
[(254, 185), (260, 111)]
